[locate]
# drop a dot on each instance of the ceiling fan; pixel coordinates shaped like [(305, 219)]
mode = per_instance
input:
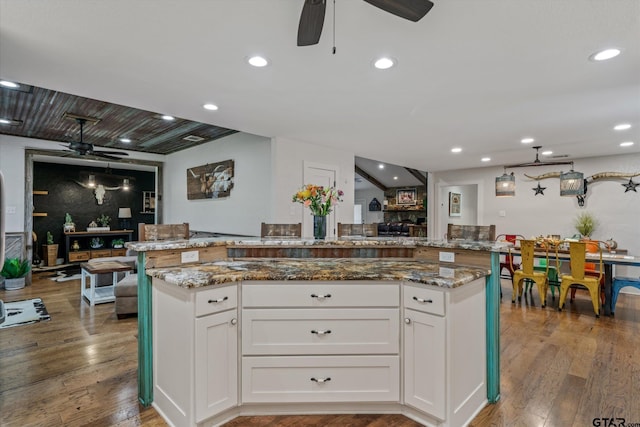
[(84, 148), (313, 11)]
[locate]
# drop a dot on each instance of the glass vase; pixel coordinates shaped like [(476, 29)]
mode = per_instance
[(319, 227)]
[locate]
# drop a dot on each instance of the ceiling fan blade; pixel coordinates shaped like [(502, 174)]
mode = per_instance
[(103, 155), (413, 10), (115, 153), (311, 21)]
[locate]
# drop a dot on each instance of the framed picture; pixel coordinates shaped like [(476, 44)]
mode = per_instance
[(406, 197), (210, 181), (454, 204)]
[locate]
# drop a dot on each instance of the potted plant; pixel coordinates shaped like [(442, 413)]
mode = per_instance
[(14, 272), (50, 250), (68, 225), (586, 223), (117, 243), (104, 220)]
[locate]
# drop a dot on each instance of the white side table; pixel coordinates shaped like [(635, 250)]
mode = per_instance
[(100, 294)]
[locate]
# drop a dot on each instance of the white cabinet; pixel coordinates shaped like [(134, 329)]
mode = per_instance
[(445, 352), (195, 352), (216, 363), (320, 342)]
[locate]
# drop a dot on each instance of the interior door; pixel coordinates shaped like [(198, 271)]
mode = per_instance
[(325, 175)]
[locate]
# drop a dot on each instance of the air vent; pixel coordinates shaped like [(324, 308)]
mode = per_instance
[(193, 138), (88, 120)]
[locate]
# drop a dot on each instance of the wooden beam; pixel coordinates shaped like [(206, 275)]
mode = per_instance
[(419, 176), (370, 179)]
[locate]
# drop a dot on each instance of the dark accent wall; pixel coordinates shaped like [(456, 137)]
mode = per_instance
[(65, 195)]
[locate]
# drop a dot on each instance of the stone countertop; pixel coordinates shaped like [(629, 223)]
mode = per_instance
[(219, 272), (341, 242)]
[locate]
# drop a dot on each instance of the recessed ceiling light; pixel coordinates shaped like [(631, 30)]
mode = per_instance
[(395, 177), (125, 140), (622, 126), (7, 83), (527, 140), (626, 144), (168, 118), (258, 61), (456, 150), (210, 107), (605, 54), (486, 159), (384, 63), (547, 153), (380, 166)]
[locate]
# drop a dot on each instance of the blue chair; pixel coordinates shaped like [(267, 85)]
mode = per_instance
[(619, 283)]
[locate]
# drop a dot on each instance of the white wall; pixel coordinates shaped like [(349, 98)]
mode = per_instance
[(618, 212), (249, 203), (368, 216), (468, 206), (288, 157)]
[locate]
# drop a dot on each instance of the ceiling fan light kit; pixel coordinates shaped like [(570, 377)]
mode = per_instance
[(84, 148)]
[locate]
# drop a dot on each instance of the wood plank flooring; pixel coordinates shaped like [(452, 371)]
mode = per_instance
[(558, 368)]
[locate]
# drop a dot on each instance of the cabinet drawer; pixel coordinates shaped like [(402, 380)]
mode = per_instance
[(424, 299), (101, 253), (118, 252), (215, 300), (79, 256), (321, 331), (305, 294), (321, 379)]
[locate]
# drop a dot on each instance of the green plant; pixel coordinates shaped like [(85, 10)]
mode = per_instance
[(103, 220), (117, 243), (49, 238), (585, 223), (68, 219), (14, 268)]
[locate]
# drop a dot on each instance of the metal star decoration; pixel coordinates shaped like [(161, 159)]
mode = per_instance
[(539, 190), (631, 186)]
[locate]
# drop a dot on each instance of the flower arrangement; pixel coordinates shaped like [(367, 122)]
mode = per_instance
[(318, 199)]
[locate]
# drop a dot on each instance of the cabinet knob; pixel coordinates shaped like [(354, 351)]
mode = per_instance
[(320, 380), (423, 300), (328, 331), (219, 300), (407, 320), (320, 297), (234, 321)]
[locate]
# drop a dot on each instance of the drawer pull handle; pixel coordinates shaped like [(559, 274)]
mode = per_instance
[(234, 321), (423, 300), (328, 331), (212, 301), (320, 297), (320, 380), (407, 320)]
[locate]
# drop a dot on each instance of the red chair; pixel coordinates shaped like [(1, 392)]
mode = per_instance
[(508, 258)]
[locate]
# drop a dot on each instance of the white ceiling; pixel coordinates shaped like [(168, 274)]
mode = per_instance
[(479, 75)]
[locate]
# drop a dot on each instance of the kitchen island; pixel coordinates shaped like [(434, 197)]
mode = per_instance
[(397, 334)]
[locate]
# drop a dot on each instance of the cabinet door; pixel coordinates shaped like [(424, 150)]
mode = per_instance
[(424, 372), (216, 361)]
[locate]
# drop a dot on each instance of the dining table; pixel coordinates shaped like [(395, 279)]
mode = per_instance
[(610, 259)]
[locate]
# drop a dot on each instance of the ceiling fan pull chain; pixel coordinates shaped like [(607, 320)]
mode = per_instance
[(334, 27)]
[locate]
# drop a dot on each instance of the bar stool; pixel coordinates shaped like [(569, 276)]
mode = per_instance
[(619, 283)]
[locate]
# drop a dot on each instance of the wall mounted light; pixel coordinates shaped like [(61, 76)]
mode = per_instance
[(92, 181), (125, 184)]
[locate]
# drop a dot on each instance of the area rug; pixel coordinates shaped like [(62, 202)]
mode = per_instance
[(24, 312)]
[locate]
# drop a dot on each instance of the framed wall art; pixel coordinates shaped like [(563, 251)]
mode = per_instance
[(454, 204), (210, 181), (406, 197)]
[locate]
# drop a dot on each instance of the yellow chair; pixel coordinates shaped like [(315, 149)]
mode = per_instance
[(577, 256), (527, 271)]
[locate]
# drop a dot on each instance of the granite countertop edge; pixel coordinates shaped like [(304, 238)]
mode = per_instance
[(227, 271)]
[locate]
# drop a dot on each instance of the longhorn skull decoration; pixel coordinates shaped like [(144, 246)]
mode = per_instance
[(99, 191), (590, 179)]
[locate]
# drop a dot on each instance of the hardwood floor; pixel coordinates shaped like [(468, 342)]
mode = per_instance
[(558, 368)]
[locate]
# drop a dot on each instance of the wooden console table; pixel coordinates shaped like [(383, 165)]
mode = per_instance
[(86, 252)]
